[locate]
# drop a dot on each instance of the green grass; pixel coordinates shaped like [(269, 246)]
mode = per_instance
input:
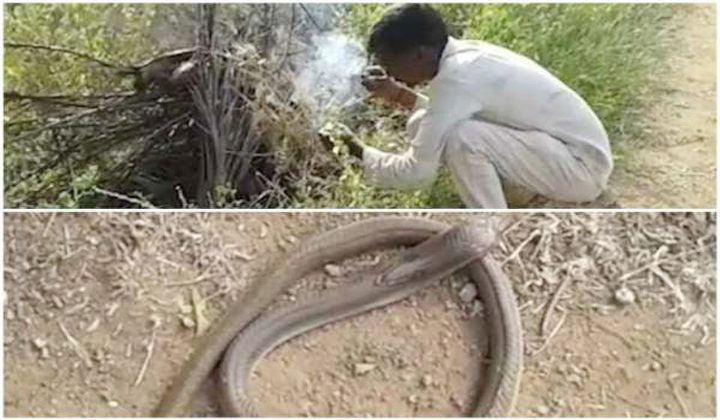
[(606, 52)]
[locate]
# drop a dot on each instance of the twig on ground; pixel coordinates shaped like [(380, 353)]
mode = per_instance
[(49, 223), (634, 404), (677, 396), (553, 302), (206, 274), (551, 335), (520, 247), (148, 355), (79, 349), (624, 340)]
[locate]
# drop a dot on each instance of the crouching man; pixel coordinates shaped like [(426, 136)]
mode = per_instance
[(492, 116)]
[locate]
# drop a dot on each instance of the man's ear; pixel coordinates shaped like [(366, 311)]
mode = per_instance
[(427, 54)]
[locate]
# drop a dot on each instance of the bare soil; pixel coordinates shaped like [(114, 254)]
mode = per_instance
[(673, 163), (92, 298)]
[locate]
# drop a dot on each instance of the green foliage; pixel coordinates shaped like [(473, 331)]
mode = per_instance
[(82, 190), (115, 33), (605, 52)]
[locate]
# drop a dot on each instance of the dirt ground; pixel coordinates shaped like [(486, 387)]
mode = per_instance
[(100, 315), (673, 164)]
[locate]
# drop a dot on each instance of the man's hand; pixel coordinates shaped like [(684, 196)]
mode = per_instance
[(355, 146), (380, 84), (341, 132)]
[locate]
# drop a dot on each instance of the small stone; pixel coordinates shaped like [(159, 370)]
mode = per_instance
[(542, 410), (187, 322), (58, 302), (113, 404), (360, 369), (413, 399), (624, 296), (155, 320), (477, 308), (575, 379), (93, 325), (655, 366), (426, 381), (450, 305), (39, 343), (468, 293), (332, 270)]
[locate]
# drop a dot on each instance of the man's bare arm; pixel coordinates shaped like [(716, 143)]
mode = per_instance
[(384, 86)]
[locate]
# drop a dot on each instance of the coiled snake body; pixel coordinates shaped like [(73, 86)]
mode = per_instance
[(246, 333)]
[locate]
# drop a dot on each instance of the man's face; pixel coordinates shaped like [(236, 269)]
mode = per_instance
[(412, 68)]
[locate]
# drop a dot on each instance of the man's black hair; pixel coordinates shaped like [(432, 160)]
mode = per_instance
[(406, 27)]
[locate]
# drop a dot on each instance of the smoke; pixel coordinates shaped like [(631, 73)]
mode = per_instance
[(330, 80)]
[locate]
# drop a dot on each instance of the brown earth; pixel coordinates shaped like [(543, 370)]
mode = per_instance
[(673, 164), (107, 279)]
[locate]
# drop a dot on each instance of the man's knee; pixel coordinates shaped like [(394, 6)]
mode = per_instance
[(582, 191), (465, 137)]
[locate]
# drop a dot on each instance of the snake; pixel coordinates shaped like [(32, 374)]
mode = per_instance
[(434, 250)]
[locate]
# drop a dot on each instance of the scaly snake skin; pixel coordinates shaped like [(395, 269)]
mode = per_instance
[(247, 332)]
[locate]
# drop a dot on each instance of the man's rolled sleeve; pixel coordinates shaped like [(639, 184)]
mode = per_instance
[(402, 171), (419, 164)]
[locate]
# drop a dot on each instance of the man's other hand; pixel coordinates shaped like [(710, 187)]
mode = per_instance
[(355, 146), (378, 83)]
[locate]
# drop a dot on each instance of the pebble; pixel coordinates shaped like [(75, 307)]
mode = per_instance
[(477, 308), (624, 295), (332, 270), (187, 322), (360, 369), (575, 379), (426, 381), (468, 293), (542, 410), (94, 325), (113, 404)]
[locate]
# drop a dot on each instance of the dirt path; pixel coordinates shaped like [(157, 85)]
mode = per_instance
[(673, 166), (84, 293)]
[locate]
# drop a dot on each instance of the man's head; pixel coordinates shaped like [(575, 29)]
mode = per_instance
[(408, 42)]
